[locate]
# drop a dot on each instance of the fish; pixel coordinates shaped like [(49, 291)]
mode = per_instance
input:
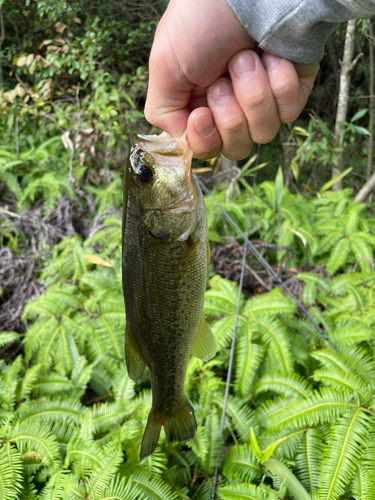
[(165, 256)]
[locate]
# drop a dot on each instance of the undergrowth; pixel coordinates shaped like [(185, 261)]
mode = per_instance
[(72, 420)]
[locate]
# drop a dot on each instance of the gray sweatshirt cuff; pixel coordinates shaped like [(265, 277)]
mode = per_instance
[(297, 29)]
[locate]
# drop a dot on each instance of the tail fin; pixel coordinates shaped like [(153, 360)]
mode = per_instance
[(151, 435), (181, 426)]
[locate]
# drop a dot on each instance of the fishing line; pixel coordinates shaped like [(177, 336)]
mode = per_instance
[(231, 357), (266, 265)]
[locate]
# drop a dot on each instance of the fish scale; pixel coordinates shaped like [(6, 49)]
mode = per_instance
[(165, 262)]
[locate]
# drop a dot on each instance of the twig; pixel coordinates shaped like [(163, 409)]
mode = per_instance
[(11, 214), (258, 278), (71, 178), (366, 257), (50, 117), (354, 62), (24, 86)]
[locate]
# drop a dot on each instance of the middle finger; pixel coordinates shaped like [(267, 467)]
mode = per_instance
[(254, 95)]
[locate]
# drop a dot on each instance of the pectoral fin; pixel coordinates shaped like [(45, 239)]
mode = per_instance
[(204, 346), (134, 363)]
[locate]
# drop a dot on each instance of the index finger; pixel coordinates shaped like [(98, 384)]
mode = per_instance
[(168, 92)]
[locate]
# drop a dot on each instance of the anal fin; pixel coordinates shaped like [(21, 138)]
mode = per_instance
[(204, 346), (134, 363)]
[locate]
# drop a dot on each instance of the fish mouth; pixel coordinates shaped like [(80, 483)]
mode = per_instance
[(165, 145)]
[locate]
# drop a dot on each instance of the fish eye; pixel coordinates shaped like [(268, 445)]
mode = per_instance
[(145, 173)]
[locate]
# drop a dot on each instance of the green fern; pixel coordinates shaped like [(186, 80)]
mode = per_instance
[(344, 451)]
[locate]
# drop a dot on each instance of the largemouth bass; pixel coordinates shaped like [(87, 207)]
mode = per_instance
[(164, 261)]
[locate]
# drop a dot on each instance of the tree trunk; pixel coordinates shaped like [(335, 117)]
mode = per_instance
[(371, 107), (366, 191), (2, 38), (342, 106)]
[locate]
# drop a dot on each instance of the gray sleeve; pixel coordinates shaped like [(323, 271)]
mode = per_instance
[(297, 29)]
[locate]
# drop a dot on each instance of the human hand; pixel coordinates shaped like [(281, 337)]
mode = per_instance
[(206, 77)]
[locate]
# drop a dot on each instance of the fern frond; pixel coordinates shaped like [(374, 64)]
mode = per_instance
[(242, 492), (129, 430), (309, 459), (8, 338), (55, 486), (215, 442), (363, 486), (82, 457), (339, 255), (120, 488), (340, 284), (241, 464), (274, 335), (281, 444), (107, 415), (101, 476), (248, 359), (32, 437), (10, 472), (223, 330), (268, 304), (350, 361), (286, 385), (348, 383), (50, 410), (156, 463), (123, 386), (325, 406), (239, 415), (153, 488), (344, 452), (200, 443), (51, 383), (80, 377)]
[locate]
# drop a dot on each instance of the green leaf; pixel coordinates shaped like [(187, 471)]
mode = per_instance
[(359, 114), (361, 130), (333, 181), (343, 454), (285, 475), (255, 446)]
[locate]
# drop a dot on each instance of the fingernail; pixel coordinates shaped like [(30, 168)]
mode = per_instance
[(270, 60), (221, 92), (204, 127), (244, 65)]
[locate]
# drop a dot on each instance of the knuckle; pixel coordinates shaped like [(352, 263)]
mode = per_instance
[(256, 100), (234, 126), (284, 88)]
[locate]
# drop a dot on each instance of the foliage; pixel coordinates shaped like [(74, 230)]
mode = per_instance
[(327, 229), (72, 420)]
